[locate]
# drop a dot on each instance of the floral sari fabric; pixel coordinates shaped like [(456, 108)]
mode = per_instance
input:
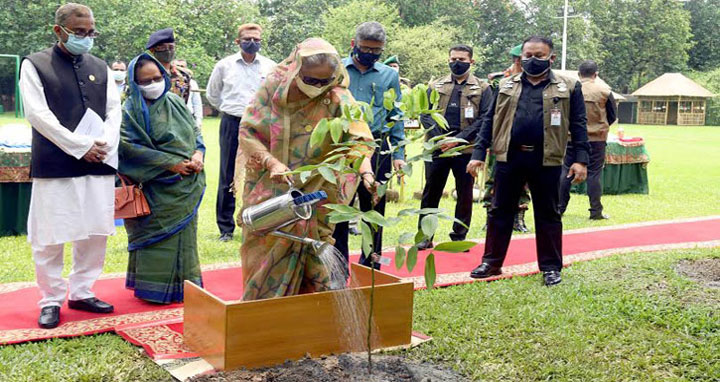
[(271, 125)]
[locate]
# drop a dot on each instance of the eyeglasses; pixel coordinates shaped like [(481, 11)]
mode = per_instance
[(91, 33), (249, 39), (366, 49), (312, 81), (150, 81)]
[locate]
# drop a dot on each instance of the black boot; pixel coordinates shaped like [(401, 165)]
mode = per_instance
[(519, 224)]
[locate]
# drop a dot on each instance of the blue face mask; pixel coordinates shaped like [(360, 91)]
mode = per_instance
[(366, 59), (250, 47), (77, 46)]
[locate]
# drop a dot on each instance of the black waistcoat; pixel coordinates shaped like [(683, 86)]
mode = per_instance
[(72, 84)]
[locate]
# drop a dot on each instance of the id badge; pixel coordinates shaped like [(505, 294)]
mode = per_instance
[(555, 117), (469, 112)]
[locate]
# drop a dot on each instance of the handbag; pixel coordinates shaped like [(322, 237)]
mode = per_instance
[(130, 202)]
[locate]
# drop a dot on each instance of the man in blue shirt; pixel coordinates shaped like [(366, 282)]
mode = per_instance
[(369, 80)]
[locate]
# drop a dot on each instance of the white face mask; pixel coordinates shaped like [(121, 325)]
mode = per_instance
[(119, 75), (153, 91), (309, 90)]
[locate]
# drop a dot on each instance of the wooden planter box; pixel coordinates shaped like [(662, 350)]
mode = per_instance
[(252, 334)]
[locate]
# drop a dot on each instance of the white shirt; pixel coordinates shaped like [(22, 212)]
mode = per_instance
[(233, 82), (69, 209), (194, 103)]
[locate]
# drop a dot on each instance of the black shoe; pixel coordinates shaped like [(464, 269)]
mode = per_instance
[(425, 244), (49, 317), (519, 223), (227, 236), (599, 216), (485, 270), (552, 278), (91, 304)]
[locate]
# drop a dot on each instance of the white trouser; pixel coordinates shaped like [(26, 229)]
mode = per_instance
[(88, 259)]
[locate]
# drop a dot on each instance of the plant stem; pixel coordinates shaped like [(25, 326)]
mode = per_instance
[(370, 314)]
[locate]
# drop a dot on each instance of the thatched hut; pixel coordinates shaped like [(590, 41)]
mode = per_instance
[(671, 99)]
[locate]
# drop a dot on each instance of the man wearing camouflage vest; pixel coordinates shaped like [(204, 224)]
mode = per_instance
[(463, 100), (600, 108), (527, 128)]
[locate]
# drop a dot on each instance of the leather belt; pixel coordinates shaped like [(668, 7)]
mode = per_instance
[(526, 148)]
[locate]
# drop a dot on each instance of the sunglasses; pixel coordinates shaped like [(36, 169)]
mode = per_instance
[(317, 81)]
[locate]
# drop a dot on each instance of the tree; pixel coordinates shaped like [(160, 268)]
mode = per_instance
[(340, 22), (499, 26), (423, 51), (704, 21)]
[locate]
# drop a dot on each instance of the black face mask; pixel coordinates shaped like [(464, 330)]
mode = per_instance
[(366, 59), (458, 68), (165, 56), (535, 67), (250, 47)]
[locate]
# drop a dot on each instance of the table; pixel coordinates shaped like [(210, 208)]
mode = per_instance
[(15, 182), (625, 169)]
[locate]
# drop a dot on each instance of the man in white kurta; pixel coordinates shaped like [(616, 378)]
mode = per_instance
[(67, 208)]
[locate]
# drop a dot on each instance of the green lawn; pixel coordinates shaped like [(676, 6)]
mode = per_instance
[(622, 318), (684, 182)]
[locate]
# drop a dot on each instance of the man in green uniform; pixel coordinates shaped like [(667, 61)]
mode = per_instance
[(394, 63), (494, 79)]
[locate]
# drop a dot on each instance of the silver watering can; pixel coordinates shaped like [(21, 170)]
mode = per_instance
[(281, 211)]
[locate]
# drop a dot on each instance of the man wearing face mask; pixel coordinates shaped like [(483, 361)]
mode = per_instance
[(394, 63), (527, 128), (73, 174), (369, 80), (464, 99), (231, 88), (161, 45), (119, 71)]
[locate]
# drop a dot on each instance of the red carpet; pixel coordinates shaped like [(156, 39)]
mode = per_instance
[(18, 309)]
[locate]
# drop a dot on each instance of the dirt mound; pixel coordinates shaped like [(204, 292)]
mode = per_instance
[(342, 368), (704, 271)]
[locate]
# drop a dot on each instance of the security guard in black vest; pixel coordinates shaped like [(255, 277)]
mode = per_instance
[(464, 99), (527, 129)]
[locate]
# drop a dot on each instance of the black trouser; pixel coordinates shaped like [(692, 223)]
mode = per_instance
[(225, 205), (594, 177), (381, 165), (436, 174), (510, 178)]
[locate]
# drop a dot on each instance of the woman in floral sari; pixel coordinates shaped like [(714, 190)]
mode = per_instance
[(162, 150), (311, 84)]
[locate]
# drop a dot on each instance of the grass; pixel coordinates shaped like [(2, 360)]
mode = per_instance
[(623, 318), (683, 172)]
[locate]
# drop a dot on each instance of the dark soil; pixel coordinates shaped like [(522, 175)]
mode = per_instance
[(704, 271), (342, 368)]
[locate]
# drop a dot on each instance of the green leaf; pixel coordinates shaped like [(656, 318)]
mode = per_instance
[(412, 258), (374, 217), (399, 257), (304, 176), (405, 238), (407, 169), (328, 174), (381, 189), (455, 246), (434, 97), (419, 236), (429, 225), (440, 120), (357, 164), (430, 271), (343, 209), (319, 133), (389, 99), (336, 217), (336, 130), (367, 237)]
